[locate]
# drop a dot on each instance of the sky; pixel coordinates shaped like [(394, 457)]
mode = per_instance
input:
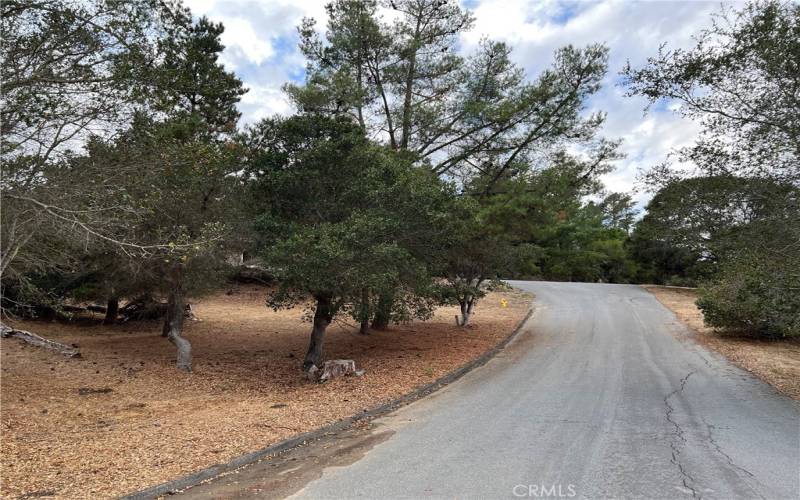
[(260, 41)]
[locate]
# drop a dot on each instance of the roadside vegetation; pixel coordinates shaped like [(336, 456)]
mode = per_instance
[(732, 222)]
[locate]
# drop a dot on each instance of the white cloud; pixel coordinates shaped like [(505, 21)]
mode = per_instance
[(240, 34), (262, 102)]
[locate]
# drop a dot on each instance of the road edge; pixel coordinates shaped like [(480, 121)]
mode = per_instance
[(716, 346), (195, 478)]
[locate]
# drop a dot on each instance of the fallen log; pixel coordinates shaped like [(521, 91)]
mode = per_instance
[(142, 309), (72, 309), (253, 274), (38, 341)]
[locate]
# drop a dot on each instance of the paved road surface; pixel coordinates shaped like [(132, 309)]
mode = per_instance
[(598, 397)]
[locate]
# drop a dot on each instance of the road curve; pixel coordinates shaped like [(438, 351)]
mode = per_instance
[(599, 396)]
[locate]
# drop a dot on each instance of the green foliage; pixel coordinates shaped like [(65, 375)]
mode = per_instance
[(187, 208), (191, 85), (554, 232), (475, 255), (68, 66), (756, 293), (475, 118), (690, 224), (339, 214), (465, 116), (110, 220), (739, 220), (735, 82)]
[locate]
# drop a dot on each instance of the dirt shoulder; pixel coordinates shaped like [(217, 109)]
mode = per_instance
[(776, 362), (157, 423)]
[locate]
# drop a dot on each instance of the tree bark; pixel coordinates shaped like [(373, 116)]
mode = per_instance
[(112, 309), (383, 312), (409, 86), (466, 311), (322, 318), (168, 316), (376, 74), (174, 319), (364, 312)]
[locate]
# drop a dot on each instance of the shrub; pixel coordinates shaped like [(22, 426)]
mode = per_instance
[(756, 293)]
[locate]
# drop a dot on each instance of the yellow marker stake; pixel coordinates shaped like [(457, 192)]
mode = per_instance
[(503, 303)]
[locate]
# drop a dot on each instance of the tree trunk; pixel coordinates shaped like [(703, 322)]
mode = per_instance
[(409, 88), (174, 316), (322, 318), (383, 312), (376, 75), (168, 316), (112, 309), (364, 312), (466, 311)]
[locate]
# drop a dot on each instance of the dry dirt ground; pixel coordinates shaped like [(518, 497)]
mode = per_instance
[(776, 362), (153, 423)]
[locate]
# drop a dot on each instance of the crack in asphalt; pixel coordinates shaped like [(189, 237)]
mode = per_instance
[(686, 478), (677, 444), (702, 356), (728, 458)]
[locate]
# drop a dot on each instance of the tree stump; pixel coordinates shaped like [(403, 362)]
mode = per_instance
[(332, 369)]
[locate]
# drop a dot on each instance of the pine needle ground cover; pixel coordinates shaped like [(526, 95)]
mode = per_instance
[(122, 417)]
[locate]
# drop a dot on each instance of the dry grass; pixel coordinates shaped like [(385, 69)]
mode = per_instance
[(245, 393), (776, 362)]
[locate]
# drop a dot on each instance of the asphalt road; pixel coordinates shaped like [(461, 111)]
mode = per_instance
[(600, 396), (597, 398)]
